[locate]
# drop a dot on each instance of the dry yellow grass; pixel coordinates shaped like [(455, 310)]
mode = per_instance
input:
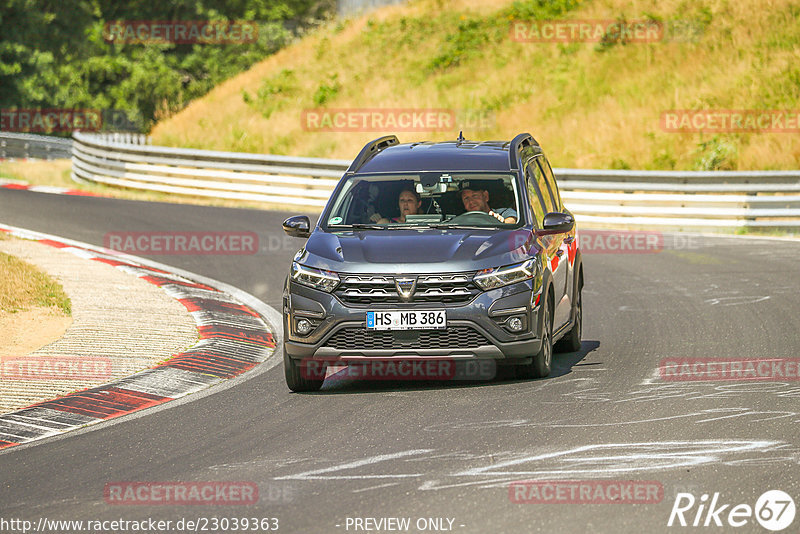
[(38, 172), (23, 287), (588, 108)]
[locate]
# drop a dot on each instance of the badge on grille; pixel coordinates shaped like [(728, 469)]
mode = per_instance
[(405, 287)]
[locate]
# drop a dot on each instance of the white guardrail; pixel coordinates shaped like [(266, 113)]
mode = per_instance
[(24, 146), (715, 200)]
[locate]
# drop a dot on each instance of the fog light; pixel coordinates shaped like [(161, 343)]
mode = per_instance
[(304, 326), (515, 324)]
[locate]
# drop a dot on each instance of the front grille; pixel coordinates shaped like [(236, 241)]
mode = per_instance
[(457, 337), (380, 289)]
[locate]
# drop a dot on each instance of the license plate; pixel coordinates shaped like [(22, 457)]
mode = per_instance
[(406, 320)]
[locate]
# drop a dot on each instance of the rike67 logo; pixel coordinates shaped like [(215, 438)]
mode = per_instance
[(774, 510)]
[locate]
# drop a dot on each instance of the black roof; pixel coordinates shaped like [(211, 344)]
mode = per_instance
[(443, 156)]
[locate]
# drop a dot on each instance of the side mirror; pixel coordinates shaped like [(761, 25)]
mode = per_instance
[(297, 226), (556, 223)]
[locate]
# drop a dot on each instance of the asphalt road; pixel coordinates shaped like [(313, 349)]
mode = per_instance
[(410, 450)]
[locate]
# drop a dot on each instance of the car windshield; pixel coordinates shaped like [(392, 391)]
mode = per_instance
[(426, 199)]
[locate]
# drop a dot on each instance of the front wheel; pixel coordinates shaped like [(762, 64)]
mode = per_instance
[(296, 376), (571, 342), (542, 361)]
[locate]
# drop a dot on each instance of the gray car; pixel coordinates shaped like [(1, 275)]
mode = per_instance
[(429, 254)]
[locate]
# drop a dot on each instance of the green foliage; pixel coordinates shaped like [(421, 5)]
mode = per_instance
[(620, 34), (272, 94), (473, 35), (53, 54), (664, 160), (470, 37), (540, 9), (620, 164), (327, 90), (716, 154)]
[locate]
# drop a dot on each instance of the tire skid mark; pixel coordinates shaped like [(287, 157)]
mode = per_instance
[(431, 469), (233, 338)]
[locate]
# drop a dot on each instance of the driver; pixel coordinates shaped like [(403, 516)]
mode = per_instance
[(478, 200)]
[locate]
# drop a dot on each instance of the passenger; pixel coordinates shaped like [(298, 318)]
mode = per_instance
[(478, 200), (409, 202)]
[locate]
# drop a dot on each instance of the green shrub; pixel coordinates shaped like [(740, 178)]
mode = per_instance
[(540, 9), (327, 90), (717, 154), (272, 94)]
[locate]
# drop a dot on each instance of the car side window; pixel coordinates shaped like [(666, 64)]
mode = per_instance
[(534, 197), (551, 183), (544, 190)]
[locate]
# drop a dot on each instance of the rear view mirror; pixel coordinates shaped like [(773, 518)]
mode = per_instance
[(297, 226), (435, 188), (556, 223)]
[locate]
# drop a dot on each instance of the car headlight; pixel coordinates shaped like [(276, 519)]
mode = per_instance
[(502, 276), (316, 278)]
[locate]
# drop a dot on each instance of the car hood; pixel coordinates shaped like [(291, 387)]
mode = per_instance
[(416, 251)]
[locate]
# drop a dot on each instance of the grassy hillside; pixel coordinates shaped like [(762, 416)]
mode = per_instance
[(590, 105)]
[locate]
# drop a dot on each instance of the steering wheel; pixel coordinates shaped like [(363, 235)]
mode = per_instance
[(474, 217)]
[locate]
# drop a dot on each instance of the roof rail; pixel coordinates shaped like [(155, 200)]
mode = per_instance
[(369, 150), (520, 141)]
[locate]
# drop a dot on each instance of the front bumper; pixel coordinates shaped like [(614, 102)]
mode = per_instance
[(519, 352), (484, 314)]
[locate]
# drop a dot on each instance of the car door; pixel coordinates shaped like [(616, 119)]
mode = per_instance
[(570, 238), (551, 243), (563, 246)]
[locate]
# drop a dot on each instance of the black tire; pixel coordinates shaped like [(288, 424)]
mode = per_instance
[(542, 361), (295, 379), (571, 342)]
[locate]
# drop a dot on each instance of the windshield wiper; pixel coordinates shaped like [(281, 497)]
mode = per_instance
[(359, 226), (464, 226), (407, 226)]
